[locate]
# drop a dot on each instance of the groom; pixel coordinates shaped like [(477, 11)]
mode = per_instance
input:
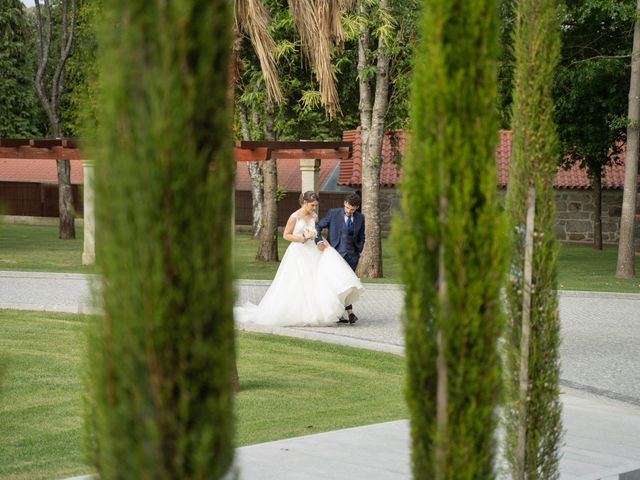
[(346, 235)]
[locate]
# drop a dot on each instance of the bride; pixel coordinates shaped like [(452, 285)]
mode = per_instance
[(311, 287)]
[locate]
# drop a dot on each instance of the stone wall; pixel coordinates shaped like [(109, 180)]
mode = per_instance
[(574, 214), (389, 201)]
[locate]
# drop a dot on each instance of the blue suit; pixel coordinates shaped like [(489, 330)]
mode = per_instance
[(349, 242)]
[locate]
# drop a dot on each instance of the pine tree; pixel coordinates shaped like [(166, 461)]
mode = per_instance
[(449, 238), (534, 412), (159, 398)]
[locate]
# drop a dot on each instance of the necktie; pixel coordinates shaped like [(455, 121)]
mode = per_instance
[(349, 223)]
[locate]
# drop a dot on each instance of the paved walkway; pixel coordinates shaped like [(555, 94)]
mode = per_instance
[(600, 379)]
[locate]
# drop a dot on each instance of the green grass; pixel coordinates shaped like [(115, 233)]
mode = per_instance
[(40, 410), (37, 248), (293, 387), (581, 267), (290, 387)]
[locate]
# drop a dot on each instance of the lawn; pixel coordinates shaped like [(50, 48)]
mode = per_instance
[(290, 387), (37, 248)]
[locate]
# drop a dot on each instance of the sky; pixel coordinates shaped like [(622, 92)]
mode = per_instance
[(28, 3)]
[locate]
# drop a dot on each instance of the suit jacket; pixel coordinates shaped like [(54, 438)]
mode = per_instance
[(334, 222)]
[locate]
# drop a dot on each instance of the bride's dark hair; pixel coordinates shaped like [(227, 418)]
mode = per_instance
[(309, 196)]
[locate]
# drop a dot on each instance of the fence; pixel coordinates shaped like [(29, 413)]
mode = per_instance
[(41, 200), (34, 199), (286, 206)]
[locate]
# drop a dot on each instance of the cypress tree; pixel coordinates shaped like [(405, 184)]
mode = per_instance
[(449, 237), (534, 411), (159, 401)]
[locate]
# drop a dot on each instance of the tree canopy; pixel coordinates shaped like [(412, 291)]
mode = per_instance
[(18, 103)]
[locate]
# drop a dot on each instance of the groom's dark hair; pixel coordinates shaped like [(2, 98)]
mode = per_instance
[(353, 199)]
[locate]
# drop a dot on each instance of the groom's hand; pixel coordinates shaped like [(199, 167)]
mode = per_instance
[(321, 246)]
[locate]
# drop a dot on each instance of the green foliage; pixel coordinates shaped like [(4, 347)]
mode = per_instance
[(159, 401), (534, 159), (592, 82), (449, 238), (505, 66), (300, 116), (18, 103), (280, 193), (398, 28), (79, 104)]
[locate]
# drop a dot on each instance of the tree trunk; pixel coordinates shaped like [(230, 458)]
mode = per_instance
[(597, 214), (268, 248), (625, 267), (255, 174), (442, 385), (364, 83), (525, 336), (370, 264), (51, 103), (231, 95), (257, 196), (66, 226)]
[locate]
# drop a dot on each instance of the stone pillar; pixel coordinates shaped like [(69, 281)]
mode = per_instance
[(89, 251), (310, 171)]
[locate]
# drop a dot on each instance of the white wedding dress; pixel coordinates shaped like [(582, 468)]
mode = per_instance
[(311, 288)]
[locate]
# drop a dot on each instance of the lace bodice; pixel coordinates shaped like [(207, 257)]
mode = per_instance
[(301, 224)]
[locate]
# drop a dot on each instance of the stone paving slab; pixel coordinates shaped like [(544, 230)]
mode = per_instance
[(602, 440), (51, 292)]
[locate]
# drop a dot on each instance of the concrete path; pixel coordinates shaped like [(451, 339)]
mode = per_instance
[(600, 380)]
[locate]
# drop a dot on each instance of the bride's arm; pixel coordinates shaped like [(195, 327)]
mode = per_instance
[(288, 231)]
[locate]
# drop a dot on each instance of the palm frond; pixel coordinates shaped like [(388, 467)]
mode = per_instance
[(253, 18), (318, 22)]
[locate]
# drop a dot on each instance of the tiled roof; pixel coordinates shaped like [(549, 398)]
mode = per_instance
[(392, 147), (350, 174), (289, 176), (36, 171), (44, 171), (575, 177)]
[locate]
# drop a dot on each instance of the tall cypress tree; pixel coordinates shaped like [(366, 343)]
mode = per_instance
[(534, 426), (449, 238), (159, 401)]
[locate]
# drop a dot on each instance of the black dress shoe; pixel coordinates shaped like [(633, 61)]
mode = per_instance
[(343, 320), (352, 318)]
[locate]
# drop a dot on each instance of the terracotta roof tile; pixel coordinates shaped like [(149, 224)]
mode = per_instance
[(575, 177), (44, 171), (392, 146), (289, 176), (36, 171)]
